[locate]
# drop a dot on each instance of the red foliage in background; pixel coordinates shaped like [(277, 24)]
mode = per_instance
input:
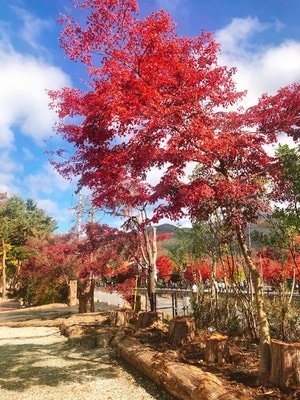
[(275, 269), (198, 272), (126, 289), (163, 236), (164, 267)]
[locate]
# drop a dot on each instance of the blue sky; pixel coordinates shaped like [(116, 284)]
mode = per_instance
[(259, 37)]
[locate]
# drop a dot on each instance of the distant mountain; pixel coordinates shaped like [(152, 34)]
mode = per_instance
[(169, 228), (165, 228)]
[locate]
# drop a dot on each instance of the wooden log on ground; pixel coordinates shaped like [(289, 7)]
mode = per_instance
[(217, 349), (185, 382), (120, 317), (148, 318), (285, 370), (181, 329)]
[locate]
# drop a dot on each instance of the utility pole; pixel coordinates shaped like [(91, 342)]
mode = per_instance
[(79, 214), (80, 210), (92, 213)]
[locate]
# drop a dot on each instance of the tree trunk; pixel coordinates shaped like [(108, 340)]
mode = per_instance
[(185, 382), (264, 333), (214, 292), (148, 247), (86, 295), (151, 250), (217, 349), (285, 371), (3, 270), (264, 329)]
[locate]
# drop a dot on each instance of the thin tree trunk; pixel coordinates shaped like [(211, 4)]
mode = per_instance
[(293, 284), (214, 291), (151, 249), (3, 270), (264, 331)]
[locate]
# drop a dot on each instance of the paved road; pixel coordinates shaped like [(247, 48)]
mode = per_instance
[(12, 311)]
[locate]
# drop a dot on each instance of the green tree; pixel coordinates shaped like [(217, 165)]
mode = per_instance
[(19, 220)]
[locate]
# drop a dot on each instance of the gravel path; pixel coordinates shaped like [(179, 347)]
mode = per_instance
[(38, 363)]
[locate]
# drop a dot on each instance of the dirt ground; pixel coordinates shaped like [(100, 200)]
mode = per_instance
[(238, 375)]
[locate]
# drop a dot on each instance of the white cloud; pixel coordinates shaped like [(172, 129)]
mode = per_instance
[(24, 79), (8, 183), (62, 215), (46, 181), (9, 164), (32, 27), (23, 97), (281, 65), (169, 5), (27, 154), (50, 190), (235, 36), (260, 68)]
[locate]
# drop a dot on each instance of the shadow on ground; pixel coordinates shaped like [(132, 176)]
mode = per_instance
[(26, 365)]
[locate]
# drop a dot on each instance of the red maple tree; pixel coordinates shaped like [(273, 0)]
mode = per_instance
[(157, 100), (164, 267), (51, 262), (198, 272), (276, 267)]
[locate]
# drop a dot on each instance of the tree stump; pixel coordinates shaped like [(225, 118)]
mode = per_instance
[(72, 293), (86, 295), (217, 349), (148, 318), (285, 370), (120, 317), (181, 329)]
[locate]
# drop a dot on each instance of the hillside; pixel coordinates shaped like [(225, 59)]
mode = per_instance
[(165, 228)]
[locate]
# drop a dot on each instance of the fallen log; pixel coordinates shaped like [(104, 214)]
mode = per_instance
[(185, 382)]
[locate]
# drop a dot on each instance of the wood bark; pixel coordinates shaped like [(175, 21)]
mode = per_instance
[(150, 259), (181, 329), (285, 371), (120, 317), (86, 296), (3, 269), (264, 332), (146, 319), (185, 382), (72, 293), (217, 349)]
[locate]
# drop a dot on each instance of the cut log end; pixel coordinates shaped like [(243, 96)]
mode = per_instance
[(181, 329), (146, 319), (217, 349), (120, 317), (285, 371)]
